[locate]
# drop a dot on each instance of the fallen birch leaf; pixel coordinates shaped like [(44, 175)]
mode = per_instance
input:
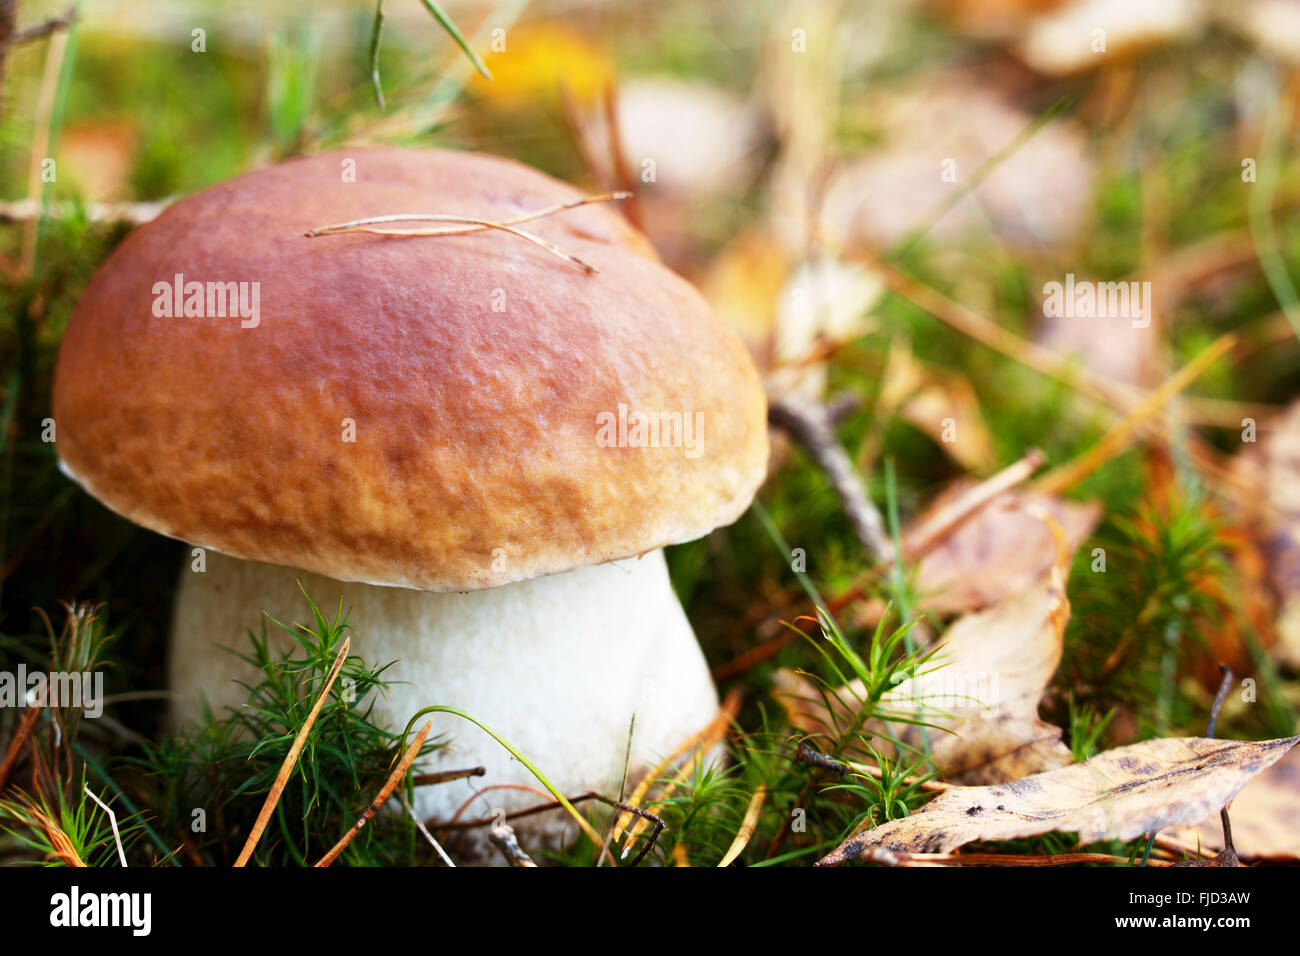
[(1118, 795), (1265, 817)]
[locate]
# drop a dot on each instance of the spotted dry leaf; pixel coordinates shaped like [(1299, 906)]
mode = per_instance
[(1120, 794), (1265, 817)]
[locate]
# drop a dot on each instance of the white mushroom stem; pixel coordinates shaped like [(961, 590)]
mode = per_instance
[(557, 665)]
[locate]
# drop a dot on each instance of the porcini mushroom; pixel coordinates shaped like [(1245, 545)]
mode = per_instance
[(479, 446)]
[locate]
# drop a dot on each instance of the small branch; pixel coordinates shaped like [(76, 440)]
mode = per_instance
[(503, 835), (815, 758), (1229, 855), (810, 424), (1225, 684), (444, 776), (291, 760), (425, 830)]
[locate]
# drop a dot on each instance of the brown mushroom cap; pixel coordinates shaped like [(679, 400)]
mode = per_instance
[(475, 430)]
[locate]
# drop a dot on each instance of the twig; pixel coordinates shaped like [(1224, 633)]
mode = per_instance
[(747, 826), (815, 758), (1117, 439), (291, 760), (659, 824), (1229, 854), (503, 835), (810, 424), (444, 776), (385, 792), (112, 821), (424, 830)]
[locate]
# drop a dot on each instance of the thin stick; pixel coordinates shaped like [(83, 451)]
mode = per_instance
[(291, 760), (112, 821), (1118, 438), (425, 830), (810, 424), (444, 776), (503, 835), (385, 792), (815, 758), (747, 826)]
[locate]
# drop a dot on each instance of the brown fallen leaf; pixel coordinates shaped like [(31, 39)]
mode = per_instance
[(1272, 516), (1000, 550), (1120, 794)]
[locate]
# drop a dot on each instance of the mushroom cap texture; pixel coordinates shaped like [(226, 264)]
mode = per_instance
[(472, 373)]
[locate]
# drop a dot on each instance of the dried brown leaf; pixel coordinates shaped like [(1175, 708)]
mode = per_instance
[(1120, 794)]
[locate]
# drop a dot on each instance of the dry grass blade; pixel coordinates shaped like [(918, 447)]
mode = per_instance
[(291, 759), (16, 745), (1117, 439), (468, 224), (112, 821), (419, 824), (385, 792), (747, 826)]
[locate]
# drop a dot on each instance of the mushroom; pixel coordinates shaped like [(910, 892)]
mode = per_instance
[(475, 444)]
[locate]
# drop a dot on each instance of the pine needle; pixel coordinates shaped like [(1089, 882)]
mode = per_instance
[(385, 792), (291, 760), (469, 224)]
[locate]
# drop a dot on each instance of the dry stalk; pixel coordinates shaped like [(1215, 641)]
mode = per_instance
[(385, 792), (291, 760)]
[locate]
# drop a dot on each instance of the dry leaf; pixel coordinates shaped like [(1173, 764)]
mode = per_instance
[(1039, 194), (947, 409), (1273, 517), (1120, 794), (1065, 40), (1265, 817), (1002, 549)]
